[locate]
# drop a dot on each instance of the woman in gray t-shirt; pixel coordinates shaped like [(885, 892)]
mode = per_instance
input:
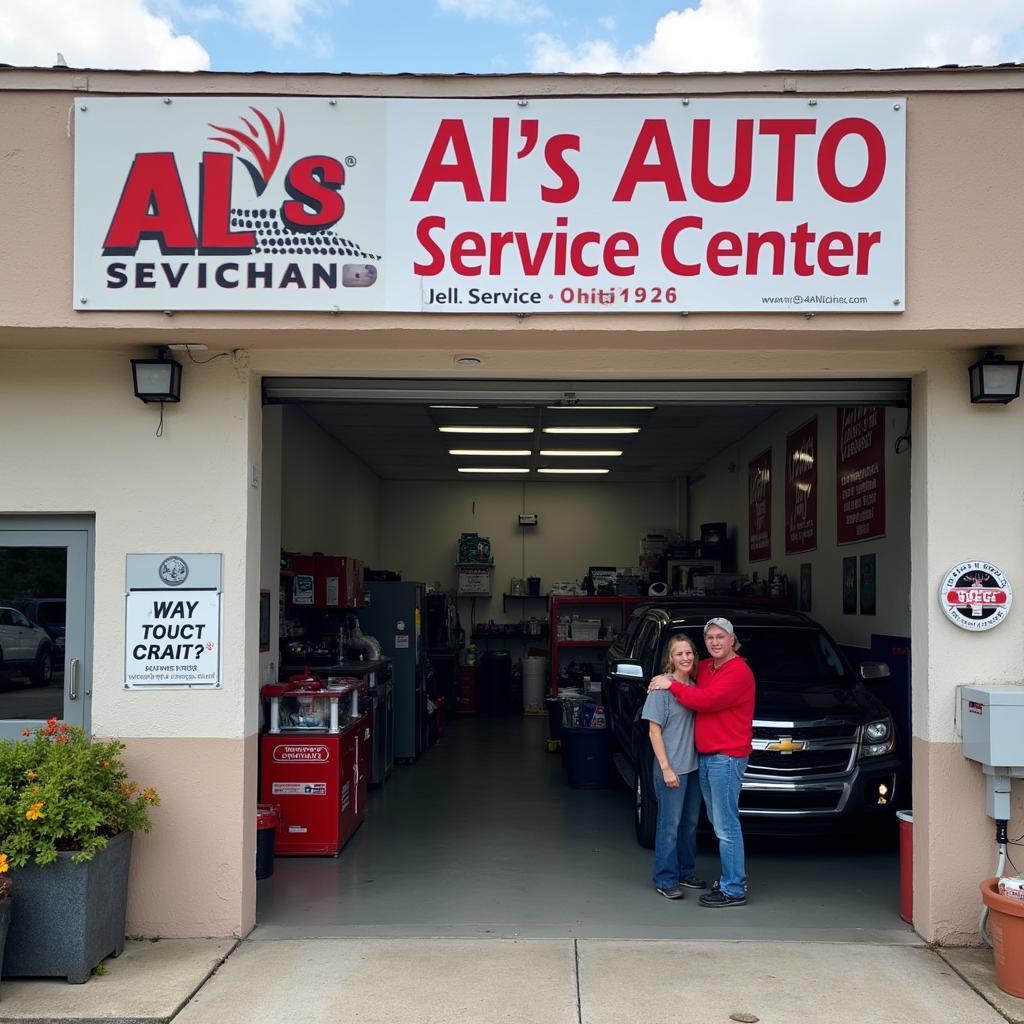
[(670, 728)]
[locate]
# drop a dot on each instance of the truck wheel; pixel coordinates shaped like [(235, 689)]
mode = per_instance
[(42, 671), (645, 811)]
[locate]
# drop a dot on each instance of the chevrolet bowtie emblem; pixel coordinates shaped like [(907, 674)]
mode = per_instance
[(786, 745)]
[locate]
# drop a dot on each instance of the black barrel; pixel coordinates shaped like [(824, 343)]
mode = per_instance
[(495, 683)]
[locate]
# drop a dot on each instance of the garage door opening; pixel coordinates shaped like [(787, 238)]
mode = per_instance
[(511, 533)]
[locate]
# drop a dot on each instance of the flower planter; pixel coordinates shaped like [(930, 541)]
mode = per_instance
[(5, 921), (67, 917), (1006, 925)]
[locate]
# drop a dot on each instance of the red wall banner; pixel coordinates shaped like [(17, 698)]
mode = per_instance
[(860, 474), (759, 515), (802, 488)]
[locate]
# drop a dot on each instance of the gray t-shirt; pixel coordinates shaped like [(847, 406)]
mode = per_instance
[(676, 729)]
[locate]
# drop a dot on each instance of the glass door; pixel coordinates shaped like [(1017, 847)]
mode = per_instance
[(45, 612)]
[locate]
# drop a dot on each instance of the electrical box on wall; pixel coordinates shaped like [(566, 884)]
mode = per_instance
[(992, 729), (527, 518)]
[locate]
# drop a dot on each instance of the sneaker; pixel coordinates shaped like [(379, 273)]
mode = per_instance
[(674, 893), (717, 898), (693, 882)]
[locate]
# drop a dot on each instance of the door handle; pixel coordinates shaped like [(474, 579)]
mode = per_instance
[(73, 681)]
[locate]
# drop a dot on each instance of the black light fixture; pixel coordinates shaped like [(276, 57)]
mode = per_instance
[(995, 379), (157, 380)]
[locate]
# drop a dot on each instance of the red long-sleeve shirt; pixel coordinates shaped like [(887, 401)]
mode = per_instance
[(724, 701)]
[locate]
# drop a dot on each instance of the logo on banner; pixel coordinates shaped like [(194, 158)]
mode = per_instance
[(976, 595), (173, 571), (290, 213)]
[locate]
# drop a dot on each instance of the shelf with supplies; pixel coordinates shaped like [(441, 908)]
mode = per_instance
[(506, 597), (612, 611)]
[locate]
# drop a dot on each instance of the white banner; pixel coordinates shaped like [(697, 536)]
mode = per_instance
[(484, 206)]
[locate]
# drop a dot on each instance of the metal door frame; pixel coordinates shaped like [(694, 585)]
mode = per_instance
[(78, 535)]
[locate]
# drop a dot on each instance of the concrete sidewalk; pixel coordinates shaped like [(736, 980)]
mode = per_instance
[(547, 981)]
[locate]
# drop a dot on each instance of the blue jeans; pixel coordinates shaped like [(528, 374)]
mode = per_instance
[(675, 841), (720, 777)]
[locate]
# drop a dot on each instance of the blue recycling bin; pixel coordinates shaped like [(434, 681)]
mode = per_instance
[(587, 757)]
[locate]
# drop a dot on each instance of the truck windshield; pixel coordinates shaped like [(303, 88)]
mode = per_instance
[(793, 656)]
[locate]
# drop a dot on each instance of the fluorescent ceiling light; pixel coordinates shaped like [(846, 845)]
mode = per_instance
[(590, 430), (572, 470), (490, 451), (455, 407), (567, 408), (486, 430), (491, 469), (582, 452)]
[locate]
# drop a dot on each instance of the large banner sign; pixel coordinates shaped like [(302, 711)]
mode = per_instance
[(802, 488), (759, 507), (860, 474), (484, 206)]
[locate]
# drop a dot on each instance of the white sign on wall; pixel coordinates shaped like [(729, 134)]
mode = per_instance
[(172, 630), (483, 206)]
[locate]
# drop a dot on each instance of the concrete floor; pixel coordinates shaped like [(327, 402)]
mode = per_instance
[(481, 837)]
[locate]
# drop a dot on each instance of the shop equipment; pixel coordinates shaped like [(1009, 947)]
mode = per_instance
[(394, 615), (315, 762)]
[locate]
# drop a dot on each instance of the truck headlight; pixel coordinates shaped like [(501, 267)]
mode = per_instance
[(877, 738)]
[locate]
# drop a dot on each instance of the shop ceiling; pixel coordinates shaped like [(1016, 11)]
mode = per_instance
[(393, 425)]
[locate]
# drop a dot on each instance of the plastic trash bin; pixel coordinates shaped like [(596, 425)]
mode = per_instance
[(587, 756), (906, 820), (266, 830)]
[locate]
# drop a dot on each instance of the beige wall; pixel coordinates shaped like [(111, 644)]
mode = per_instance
[(718, 491), (331, 500), (580, 524)]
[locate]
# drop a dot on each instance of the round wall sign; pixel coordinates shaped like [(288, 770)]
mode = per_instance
[(976, 595)]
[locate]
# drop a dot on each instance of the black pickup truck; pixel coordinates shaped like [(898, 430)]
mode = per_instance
[(824, 758)]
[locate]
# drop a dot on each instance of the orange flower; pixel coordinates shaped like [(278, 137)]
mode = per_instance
[(129, 789), (4, 863), (26, 732), (106, 764), (35, 812), (31, 775), (149, 795)]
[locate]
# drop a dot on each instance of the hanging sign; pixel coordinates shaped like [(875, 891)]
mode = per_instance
[(976, 595), (860, 474), (759, 512), (556, 205), (172, 621), (802, 488)]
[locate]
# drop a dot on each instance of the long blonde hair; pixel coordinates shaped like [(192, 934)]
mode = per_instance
[(680, 638)]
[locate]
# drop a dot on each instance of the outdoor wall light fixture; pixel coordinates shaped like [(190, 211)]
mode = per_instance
[(157, 380), (995, 379)]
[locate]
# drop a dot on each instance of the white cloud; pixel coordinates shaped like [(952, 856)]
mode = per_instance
[(95, 34), (513, 11), (751, 35), (277, 19), (607, 23)]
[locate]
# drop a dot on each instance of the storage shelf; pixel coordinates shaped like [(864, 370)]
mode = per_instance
[(505, 598)]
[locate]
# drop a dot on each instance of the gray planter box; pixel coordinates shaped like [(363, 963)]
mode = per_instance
[(5, 920), (67, 917)]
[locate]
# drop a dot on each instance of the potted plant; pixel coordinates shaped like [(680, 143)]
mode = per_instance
[(67, 814)]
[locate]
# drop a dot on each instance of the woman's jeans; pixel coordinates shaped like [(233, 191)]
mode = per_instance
[(720, 777), (675, 841)]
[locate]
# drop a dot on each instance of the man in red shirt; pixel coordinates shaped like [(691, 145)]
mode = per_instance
[(724, 702)]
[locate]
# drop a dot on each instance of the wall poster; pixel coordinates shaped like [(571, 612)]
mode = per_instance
[(805, 586), (860, 474), (802, 488), (759, 513), (850, 585), (867, 584)]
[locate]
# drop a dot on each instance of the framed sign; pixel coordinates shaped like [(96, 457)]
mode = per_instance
[(868, 568), (802, 488), (759, 511), (860, 474), (264, 620), (850, 585), (975, 595)]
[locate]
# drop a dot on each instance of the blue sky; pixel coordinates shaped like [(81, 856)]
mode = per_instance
[(481, 36)]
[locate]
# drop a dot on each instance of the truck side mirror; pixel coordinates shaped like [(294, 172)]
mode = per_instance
[(628, 669), (874, 670)]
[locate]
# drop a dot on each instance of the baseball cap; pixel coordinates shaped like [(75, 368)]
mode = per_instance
[(721, 623)]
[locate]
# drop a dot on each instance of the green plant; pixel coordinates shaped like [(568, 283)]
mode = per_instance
[(62, 790)]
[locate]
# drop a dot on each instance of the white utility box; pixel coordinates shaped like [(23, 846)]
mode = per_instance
[(992, 723), (992, 728)]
